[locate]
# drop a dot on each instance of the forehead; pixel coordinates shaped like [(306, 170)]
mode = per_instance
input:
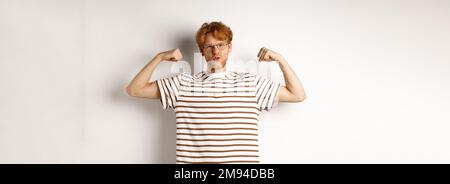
[(210, 39)]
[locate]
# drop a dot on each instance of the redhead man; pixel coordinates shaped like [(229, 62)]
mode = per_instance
[(217, 110)]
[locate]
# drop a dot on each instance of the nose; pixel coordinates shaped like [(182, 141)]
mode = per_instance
[(215, 50)]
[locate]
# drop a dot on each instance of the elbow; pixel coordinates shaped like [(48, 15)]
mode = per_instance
[(300, 98), (131, 91)]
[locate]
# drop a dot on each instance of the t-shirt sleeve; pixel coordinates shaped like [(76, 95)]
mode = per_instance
[(168, 89), (266, 92)]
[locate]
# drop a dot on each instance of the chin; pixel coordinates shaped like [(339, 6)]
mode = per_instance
[(216, 64), (222, 61)]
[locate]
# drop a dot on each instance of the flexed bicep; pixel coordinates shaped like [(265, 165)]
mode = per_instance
[(284, 95), (150, 90)]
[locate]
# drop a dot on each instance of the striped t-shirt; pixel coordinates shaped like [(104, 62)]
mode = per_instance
[(217, 114)]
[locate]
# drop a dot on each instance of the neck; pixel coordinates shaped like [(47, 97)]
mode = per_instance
[(217, 70)]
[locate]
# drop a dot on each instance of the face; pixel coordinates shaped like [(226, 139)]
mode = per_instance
[(216, 50)]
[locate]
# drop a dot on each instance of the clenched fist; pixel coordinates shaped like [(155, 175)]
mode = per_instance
[(171, 55), (266, 54)]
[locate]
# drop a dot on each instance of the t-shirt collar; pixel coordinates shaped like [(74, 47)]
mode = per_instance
[(216, 74)]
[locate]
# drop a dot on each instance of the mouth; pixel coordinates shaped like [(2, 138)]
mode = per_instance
[(216, 58)]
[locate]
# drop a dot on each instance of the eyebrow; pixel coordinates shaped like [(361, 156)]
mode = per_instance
[(216, 43)]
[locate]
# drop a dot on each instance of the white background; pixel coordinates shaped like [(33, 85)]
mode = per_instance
[(377, 76)]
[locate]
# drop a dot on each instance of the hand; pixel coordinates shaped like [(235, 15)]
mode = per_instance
[(266, 54), (171, 55)]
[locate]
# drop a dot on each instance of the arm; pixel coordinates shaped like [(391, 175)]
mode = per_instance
[(140, 85), (293, 91)]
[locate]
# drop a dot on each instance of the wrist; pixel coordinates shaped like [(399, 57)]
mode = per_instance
[(157, 58), (281, 62)]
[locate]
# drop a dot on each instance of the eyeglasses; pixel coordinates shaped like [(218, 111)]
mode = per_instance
[(220, 46)]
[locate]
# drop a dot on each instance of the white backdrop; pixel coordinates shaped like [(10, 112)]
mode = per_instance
[(377, 76)]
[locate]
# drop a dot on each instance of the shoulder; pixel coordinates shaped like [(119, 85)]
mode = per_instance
[(177, 77), (184, 74), (244, 75), (197, 75), (184, 77)]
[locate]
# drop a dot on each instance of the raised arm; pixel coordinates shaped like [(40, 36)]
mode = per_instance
[(293, 91), (140, 85)]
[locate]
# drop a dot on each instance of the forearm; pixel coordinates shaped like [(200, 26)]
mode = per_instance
[(142, 78), (293, 83)]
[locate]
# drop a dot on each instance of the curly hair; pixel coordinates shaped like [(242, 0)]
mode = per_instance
[(219, 31)]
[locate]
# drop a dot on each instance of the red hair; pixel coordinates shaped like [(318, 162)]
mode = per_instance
[(218, 30)]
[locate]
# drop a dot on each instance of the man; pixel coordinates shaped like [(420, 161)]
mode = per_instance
[(217, 111)]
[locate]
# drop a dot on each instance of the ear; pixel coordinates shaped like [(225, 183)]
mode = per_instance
[(230, 47), (201, 51)]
